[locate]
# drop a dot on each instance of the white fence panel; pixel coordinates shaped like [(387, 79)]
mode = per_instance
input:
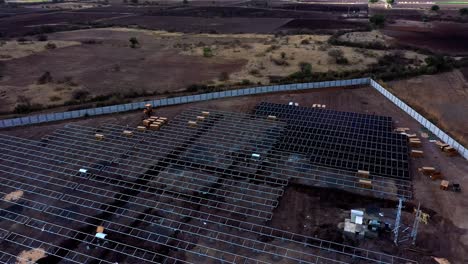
[(41, 118), (423, 121)]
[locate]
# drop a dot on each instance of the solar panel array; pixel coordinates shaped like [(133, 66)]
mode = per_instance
[(343, 140), (177, 195)]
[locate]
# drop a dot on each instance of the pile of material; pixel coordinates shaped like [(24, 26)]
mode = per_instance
[(432, 172), (199, 118), (446, 148), (153, 123)]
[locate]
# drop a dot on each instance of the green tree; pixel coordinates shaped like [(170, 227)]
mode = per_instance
[(377, 20), (133, 42), (207, 52), (373, 1), (435, 8), (390, 2), (306, 68), (463, 11)]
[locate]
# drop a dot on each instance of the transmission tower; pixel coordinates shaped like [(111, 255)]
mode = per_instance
[(417, 219), (397, 221)]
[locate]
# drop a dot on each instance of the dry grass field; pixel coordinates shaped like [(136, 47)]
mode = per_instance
[(101, 62)]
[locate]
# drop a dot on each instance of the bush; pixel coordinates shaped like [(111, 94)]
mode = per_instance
[(50, 45), (46, 77), (305, 42), (463, 11), (224, 76), (272, 48), (279, 62), (22, 40), (91, 41), (342, 60), (207, 52), (338, 55), (435, 8), (55, 98), (306, 68), (133, 42), (377, 20), (246, 82), (80, 95), (254, 72), (390, 2), (335, 53), (24, 106), (373, 1), (196, 87), (42, 37)]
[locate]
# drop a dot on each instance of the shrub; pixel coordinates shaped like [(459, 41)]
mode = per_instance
[(42, 37), (279, 62), (46, 77), (91, 41), (335, 53), (272, 48), (435, 8), (283, 55), (463, 11), (223, 76), (196, 87), (133, 42), (305, 42), (254, 72), (373, 1), (207, 52), (246, 82), (342, 60), (50, 45), (22, 40), (24, 106), (306, 68), (80, 95), (377, 20), (390, 2), (55, 98)]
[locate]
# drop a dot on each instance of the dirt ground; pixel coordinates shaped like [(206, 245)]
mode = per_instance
[(442, 97), (110, 66), (446, 37), (14, 49), (101, 62), (367, 37), (446, 235)]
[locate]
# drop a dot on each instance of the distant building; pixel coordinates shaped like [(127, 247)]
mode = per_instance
[(27, 1)]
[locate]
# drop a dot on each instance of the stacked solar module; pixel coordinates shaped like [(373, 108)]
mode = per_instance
[(344, 140)]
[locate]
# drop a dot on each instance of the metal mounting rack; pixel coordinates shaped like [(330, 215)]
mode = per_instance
[(176, 195)]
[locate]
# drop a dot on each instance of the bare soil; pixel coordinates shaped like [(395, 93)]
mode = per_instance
[(203, 24), (110, 66), (442, 97), (323, 24), (317, 211), (102, 62), (446, 37)]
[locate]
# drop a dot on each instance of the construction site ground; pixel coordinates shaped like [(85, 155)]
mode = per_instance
[(317, 212), (441, 98)]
